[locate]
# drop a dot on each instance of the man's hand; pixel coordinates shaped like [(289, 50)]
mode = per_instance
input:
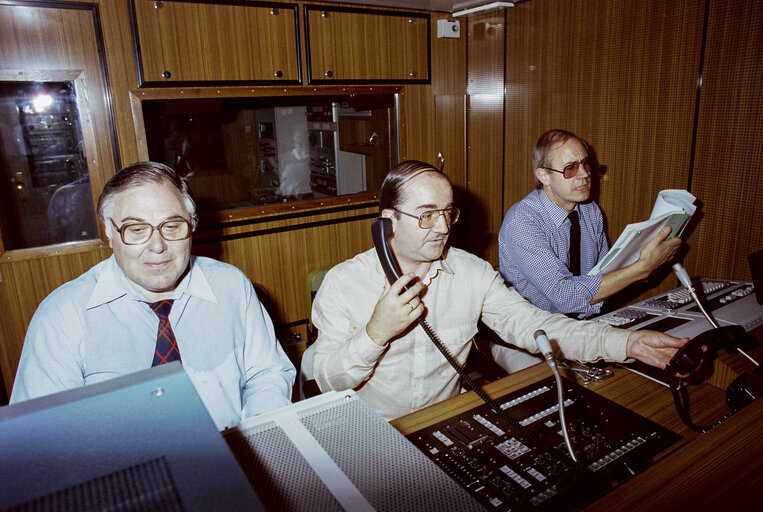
[(395, 311), (657, 252), (653, 348)]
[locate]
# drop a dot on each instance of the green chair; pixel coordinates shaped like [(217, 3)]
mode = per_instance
[(307, 385)]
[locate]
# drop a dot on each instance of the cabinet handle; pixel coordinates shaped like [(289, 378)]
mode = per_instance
[(279, 73), (329, 73), (166, 74), (412, 74), (158, 4), (274, 11), (412, 21), (324, 14), (441, 159)]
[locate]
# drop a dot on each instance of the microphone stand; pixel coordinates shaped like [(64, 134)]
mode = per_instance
[(683, 276), (545, 348)]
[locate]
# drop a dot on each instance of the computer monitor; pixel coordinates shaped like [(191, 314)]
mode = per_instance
[(142, 441)]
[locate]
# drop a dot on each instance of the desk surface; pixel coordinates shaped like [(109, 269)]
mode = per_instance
[(719, 470)]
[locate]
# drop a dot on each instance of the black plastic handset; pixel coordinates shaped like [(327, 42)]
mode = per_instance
[(696, 357), (381, 231)]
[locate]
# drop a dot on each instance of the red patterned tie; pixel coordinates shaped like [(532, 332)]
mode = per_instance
[(166, 345)]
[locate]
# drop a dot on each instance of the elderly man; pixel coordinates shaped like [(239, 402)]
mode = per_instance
[(552, 238), (368, 339), (152, 302)]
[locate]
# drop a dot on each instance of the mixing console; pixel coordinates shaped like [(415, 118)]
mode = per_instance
[(674, 312), (510, 468)]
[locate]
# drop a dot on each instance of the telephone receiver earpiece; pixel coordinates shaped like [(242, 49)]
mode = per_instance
[(381, 232)]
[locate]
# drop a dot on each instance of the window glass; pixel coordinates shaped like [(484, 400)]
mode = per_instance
[(244, 152), (45, 197)]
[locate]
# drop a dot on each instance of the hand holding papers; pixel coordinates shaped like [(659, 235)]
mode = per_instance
[(672, 208)]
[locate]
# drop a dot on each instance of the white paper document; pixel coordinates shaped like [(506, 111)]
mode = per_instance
[(672, 207)]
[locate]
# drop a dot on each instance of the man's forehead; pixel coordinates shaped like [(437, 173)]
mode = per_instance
[(427, 189), (145, 198), (568, 149)]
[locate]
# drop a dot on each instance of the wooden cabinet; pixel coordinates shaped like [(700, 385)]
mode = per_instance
[(181, 42), (353, 45)]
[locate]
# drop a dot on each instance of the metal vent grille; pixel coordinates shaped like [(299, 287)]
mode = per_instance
[(377, 458), (145, 487), (388, 470), (276, 470)]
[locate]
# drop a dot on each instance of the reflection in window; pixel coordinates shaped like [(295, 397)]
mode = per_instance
[(244, 152), (46, 196)]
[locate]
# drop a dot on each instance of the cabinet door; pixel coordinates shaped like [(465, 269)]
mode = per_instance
[(193, 42), (360, 45)]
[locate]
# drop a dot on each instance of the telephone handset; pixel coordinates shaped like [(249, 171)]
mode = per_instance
[(695, 361), (381, 231)]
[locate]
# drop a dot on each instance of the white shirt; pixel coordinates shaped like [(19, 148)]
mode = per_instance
[(410, 373)]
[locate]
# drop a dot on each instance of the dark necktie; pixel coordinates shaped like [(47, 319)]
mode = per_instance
[(166, 345), (574, 243)]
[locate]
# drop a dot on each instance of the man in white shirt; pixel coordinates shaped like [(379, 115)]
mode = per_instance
[(107, 322), (368, 339)]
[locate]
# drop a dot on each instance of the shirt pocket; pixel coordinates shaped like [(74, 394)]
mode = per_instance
[(455, 338)]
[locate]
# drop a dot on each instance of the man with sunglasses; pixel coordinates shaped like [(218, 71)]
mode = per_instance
[(368, 339), (537, 253), (152, 302)]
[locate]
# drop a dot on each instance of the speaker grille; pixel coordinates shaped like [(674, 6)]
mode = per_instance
[(276, 469), (389, 471), (145, 487), (374, 455)]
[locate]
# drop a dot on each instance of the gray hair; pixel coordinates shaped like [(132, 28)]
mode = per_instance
[(142, 173)]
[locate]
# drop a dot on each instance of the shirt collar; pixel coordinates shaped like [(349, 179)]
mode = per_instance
[(438, 266), (435, 268), (113, 284), (557, 213)]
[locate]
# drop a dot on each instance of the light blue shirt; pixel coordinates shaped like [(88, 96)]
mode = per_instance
[(534, 244), (98, 326)]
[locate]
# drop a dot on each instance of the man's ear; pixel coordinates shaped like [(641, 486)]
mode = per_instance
[(543, 176), (387, 213)]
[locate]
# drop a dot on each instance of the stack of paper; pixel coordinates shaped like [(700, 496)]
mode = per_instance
[(672, 207)]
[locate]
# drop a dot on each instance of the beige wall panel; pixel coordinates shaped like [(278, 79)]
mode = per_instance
[(728, 176)]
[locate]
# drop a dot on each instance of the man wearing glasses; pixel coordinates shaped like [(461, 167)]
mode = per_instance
[(152, 303), (367, 336), (552, 238)]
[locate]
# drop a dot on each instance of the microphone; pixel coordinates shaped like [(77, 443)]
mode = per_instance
[(544, 345), (545, 348), (683, 276)]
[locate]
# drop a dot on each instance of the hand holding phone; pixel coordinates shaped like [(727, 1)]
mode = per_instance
[(398, 307)]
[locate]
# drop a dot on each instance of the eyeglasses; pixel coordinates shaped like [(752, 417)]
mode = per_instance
[(141, 232), (429, 218), (571, 169)]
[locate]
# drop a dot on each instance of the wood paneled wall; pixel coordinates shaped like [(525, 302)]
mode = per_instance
[(276, 249), (624, 75), (727, 175)]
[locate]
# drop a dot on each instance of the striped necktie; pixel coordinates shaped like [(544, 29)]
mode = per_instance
[(166, 345)]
